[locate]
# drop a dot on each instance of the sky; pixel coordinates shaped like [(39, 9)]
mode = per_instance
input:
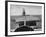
[(29, 10)]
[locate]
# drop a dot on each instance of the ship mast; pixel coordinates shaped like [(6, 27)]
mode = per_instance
[(25, 17), (23, 12)]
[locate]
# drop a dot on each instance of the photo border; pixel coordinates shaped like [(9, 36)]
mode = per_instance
[(6, 17)]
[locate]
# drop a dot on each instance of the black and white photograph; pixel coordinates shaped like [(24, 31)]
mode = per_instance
[(25, 18)]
